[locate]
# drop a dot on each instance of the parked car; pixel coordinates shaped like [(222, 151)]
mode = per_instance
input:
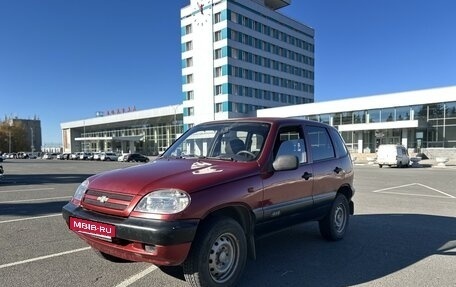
[(75, 155), (108, 156), (122, 157), (85, 155), (136, 157), (218, 187), (64, 156), (392, 155), (96, 156)]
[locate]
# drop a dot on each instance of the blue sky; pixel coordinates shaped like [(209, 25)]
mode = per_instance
[(64, 60)]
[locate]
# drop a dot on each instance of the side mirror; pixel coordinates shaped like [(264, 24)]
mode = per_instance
[(285, 162)]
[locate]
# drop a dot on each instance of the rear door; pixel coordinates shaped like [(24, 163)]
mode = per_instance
[(328, 171)]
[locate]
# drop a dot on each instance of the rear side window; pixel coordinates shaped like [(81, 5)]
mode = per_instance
[(320, 143), (339, 144)]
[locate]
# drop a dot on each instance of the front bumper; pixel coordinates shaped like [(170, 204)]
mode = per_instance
[(139, 239)]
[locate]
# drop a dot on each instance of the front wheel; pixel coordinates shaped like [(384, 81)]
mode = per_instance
[(334, 225), (218, 254)]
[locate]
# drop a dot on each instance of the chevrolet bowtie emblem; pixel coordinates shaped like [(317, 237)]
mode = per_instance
[(102, 199)]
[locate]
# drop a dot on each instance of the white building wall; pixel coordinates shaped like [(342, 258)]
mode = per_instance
[(202, 54)]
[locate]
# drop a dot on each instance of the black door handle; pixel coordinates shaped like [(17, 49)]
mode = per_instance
[(307, 175), (338, 169)]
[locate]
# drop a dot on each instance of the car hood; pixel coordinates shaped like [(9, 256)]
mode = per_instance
[(189, 175)]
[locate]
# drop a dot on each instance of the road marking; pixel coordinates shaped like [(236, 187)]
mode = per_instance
[(444, 193), (30, 218), (31, 189), (35, 199), (136, 277), (43, 257), (386, 190)]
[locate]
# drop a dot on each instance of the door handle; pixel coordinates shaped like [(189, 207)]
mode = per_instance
[(307, 175), (338, 169)]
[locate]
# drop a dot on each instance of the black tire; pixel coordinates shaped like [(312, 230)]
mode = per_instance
[(111, 258), (380, 165), (218, 254), (334, 225)]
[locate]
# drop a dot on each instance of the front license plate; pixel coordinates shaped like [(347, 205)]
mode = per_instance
[(92, 227)]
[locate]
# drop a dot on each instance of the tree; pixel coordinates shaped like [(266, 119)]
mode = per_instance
[(14, 136)]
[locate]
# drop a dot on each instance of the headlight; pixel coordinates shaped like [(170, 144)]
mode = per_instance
[(165, 201), (81, 190)]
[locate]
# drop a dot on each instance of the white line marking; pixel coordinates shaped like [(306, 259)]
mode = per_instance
[(31, 189), (414, 194), (394, 187), (42, 257), (35, 199), (449, 195), (136, 277), (384, 190), (30, 218)]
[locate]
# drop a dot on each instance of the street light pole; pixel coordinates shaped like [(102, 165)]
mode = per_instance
[(32, 146), (9, 142)]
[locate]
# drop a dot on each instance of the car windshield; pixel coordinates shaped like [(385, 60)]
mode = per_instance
[(225, 141)]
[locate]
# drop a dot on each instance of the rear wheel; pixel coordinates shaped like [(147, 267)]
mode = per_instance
[(334, 225), (218, 254)]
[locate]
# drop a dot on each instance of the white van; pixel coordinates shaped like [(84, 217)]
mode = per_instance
[(392, 154)]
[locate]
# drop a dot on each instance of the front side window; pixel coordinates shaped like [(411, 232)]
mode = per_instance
[(290, 141)]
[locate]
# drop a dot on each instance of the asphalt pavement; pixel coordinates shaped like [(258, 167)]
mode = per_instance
[(403, 233)]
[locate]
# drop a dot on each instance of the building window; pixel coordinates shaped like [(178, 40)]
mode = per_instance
[(189, 95), (218, 53), (218, 89), (359, 117), (403, 114), (191, 111), (188, 29), (188, 46), (189, 62), (189, 79), (218, 108), (218, 72), (218, 17), (374, 116), (218, 36)]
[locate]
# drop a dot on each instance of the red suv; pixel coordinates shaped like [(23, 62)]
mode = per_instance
[(219, 186)]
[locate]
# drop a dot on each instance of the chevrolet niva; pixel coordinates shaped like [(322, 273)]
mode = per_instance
[(220, 185)]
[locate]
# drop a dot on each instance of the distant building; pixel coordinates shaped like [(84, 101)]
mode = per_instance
[(242, 56), (417, 119), (237, 57), (32, 133)]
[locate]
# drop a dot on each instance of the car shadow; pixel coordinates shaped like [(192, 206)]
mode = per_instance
[(375, 246), (18, 179), (32, 209)]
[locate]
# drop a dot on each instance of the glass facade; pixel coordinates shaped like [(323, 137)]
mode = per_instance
[(150, 138), (436, 126)]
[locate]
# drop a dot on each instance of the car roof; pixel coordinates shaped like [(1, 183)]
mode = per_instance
[(269, 120)]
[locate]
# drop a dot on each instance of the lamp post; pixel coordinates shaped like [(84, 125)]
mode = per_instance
[(32, 146), (10, 124), (9, 142)]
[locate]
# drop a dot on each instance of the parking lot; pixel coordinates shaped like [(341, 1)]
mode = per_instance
[(403, 233)]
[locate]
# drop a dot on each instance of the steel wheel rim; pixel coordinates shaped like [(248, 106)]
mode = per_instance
[(340, 218), (223, 257)]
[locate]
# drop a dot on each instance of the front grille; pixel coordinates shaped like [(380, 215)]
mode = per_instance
[(106, 199)]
